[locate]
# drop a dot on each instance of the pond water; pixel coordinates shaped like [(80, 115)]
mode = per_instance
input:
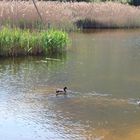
[(102, 72)]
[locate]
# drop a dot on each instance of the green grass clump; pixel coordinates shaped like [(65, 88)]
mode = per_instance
[(54, 41), (15, 42)]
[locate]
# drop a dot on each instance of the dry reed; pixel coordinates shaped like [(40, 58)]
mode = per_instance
[(65, 14)]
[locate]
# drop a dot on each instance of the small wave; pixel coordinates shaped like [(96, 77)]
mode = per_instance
[(70, 92), (133, 101), (94, 93)]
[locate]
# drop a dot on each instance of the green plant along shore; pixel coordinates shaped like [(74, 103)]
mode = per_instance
[(15, 42)]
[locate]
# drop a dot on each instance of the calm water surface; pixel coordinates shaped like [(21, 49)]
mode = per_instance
[(101, 70)]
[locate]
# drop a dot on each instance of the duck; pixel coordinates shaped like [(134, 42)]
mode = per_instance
[(61, 91)]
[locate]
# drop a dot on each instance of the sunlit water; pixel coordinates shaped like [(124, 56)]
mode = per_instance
[(102, 72)]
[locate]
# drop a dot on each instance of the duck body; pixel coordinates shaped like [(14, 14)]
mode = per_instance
[(61, 91)]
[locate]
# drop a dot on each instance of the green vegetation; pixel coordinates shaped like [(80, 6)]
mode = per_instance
[(15, 42)]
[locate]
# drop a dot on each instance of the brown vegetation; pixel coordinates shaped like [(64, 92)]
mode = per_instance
[(65, 15)]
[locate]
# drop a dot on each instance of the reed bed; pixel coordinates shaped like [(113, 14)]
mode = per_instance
[(17, 42), (67, 15)]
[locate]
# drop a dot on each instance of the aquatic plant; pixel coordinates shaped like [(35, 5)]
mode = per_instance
[(14, 42)]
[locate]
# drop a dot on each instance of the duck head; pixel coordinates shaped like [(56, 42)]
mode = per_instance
[(65, 88)]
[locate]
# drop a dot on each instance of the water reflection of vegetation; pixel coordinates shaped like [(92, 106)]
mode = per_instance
[(30, 68), (31, 60)]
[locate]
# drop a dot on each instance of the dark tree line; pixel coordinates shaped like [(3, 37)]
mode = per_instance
[(135, 2), (132, 2)]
